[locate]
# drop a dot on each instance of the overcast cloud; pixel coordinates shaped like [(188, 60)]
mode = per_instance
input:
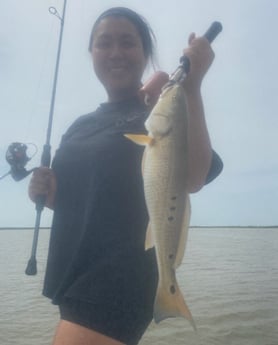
[(240, 94)]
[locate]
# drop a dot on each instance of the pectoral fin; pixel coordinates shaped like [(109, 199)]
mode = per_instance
[(140, 139), (184, 233)]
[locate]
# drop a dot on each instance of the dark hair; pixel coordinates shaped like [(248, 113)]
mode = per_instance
[(144, 29)]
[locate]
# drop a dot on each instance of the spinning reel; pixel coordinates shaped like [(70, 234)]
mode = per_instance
[(16, 156)]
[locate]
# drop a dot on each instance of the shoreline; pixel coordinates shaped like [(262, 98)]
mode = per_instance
[(190, 227)]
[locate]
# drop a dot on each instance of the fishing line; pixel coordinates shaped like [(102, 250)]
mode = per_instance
[(34, 104), (16, 154), (35, 147), (17, 157)]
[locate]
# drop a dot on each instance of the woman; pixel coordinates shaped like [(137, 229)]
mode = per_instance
[(97, 270)]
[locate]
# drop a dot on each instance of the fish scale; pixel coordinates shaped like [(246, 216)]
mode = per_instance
[(159, 181), (164, 175)]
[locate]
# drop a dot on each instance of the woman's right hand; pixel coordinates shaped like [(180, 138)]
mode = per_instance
[(43, 182)]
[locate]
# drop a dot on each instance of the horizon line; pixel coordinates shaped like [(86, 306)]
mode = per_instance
[(191, 226)]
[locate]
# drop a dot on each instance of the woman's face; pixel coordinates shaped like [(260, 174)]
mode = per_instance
[(118, 57)]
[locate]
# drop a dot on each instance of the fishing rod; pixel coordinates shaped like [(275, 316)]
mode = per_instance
[(31, 268)]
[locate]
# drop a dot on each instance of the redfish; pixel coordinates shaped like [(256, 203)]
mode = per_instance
[(165, 187)]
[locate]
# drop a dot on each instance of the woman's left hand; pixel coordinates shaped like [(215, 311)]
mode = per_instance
[(201, 56)]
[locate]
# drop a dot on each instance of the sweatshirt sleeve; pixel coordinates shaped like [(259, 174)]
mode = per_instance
[(215, 168)]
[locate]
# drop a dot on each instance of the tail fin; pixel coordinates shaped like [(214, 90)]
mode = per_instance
[(169, 302)]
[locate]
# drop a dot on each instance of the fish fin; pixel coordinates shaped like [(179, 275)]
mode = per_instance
[(184, 233), (149, 241), (140, 139), (171, 304)]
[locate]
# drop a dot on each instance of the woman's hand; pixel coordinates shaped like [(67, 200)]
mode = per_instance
[(43, 182), (201, 56)]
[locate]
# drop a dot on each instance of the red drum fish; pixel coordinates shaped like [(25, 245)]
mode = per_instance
[(164, 173)]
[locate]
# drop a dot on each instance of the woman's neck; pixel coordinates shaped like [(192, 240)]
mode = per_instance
[(121, 95)]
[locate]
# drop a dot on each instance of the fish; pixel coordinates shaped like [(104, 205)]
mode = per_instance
[(164, 169)]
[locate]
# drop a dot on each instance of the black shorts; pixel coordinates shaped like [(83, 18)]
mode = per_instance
[(123, 314)]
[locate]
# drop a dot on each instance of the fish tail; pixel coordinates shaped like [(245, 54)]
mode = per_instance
[(169, 302)]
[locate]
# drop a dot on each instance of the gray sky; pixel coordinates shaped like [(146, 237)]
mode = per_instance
[(239, 92)]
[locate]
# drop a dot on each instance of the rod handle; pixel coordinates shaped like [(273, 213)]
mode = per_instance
[(213, 31), (31, 268), (45, 161)]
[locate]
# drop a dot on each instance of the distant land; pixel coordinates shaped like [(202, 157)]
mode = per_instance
[(191, 227)]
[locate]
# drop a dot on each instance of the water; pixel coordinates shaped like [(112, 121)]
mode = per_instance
[(229, 278)]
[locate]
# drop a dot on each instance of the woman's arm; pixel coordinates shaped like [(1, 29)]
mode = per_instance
[(201, 56)]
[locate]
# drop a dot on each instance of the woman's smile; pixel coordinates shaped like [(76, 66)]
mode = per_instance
[(118, 57)]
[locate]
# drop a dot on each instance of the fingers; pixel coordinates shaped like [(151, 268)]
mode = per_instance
[(39, 182), (198, 46), (150, 91), (201, 56), (191, 37), (43, 182)]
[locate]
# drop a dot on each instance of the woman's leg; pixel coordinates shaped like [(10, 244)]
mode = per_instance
[(69, 333)]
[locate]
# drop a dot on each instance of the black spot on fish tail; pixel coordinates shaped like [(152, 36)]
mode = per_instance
[(173, 198), (172, 289), (171, 218)]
